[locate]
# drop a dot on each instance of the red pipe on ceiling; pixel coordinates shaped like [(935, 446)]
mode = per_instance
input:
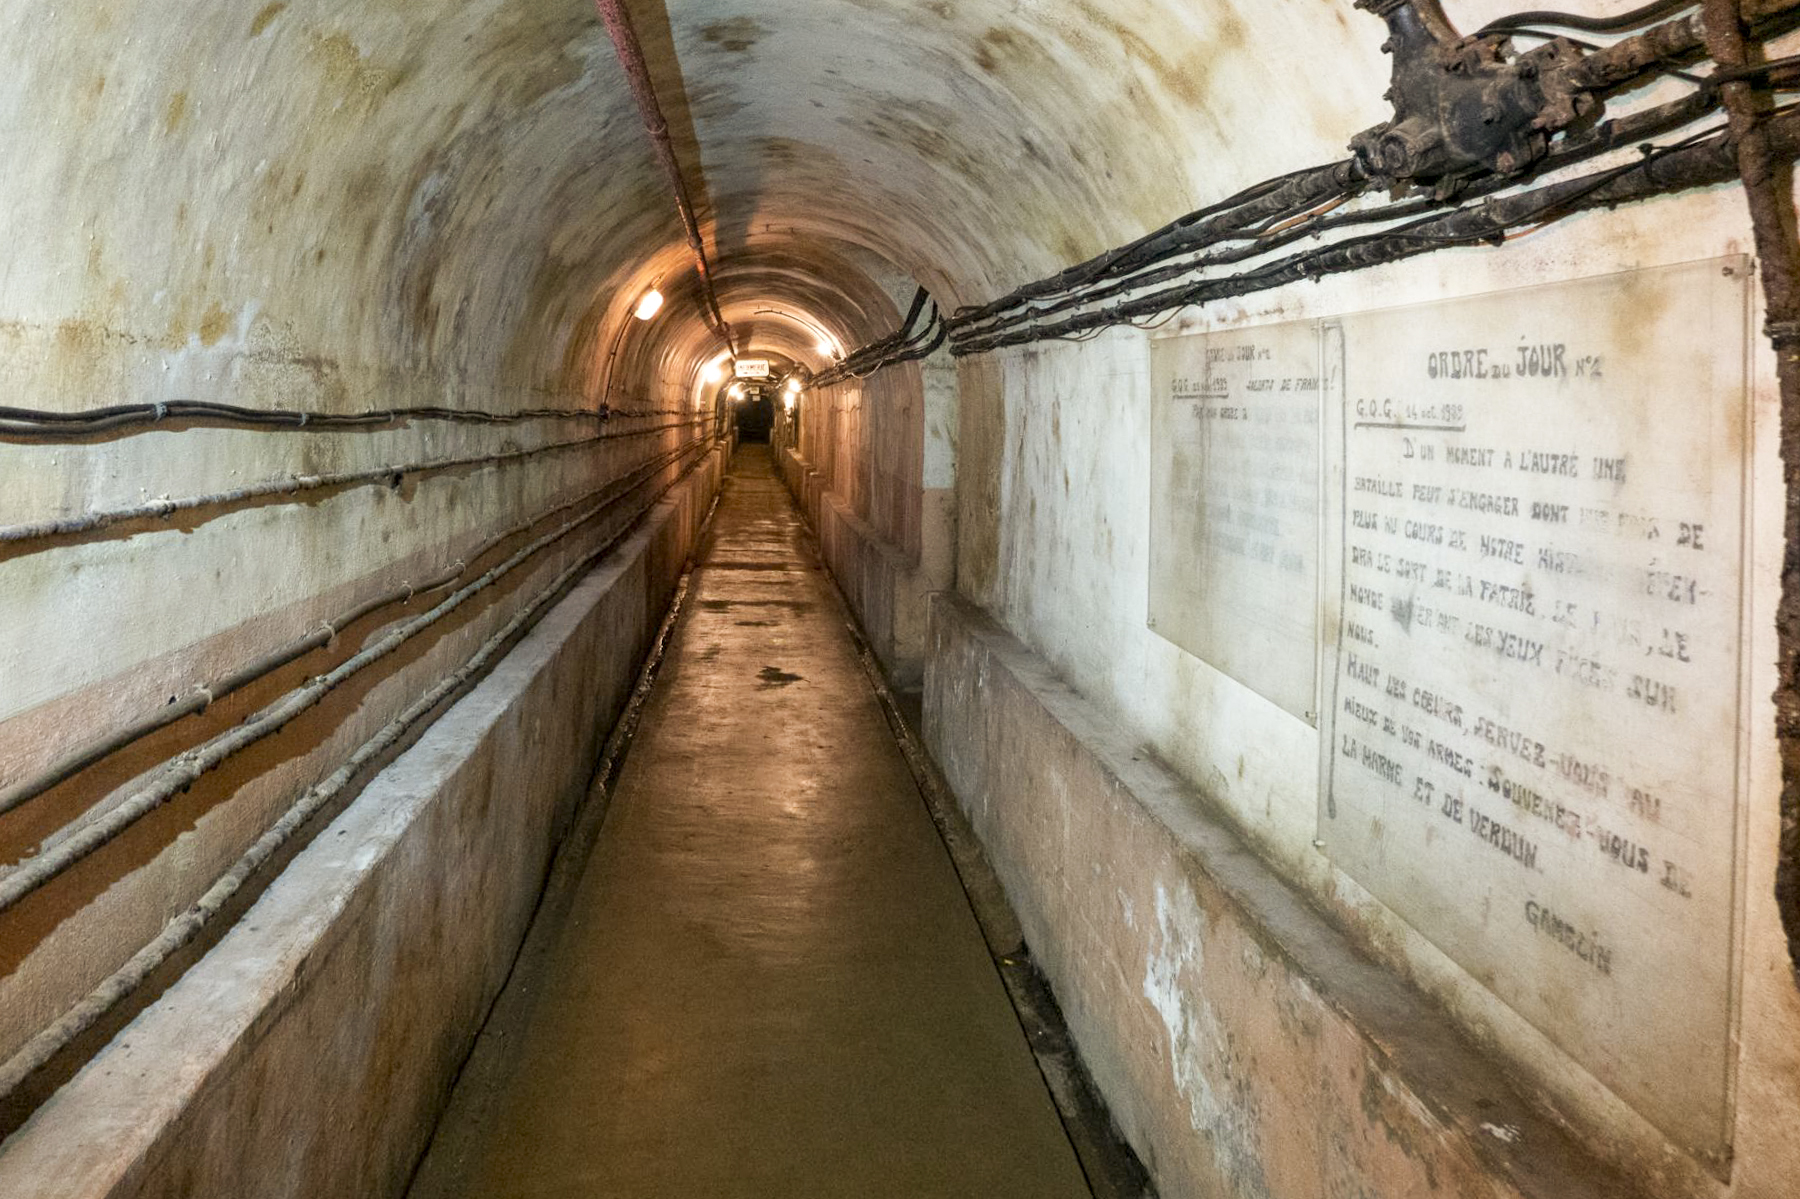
[(637, 74)]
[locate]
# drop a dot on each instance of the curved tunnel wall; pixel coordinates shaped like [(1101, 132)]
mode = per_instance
[(329, 207)]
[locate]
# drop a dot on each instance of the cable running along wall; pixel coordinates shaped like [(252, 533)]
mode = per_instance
[(47, 1044), (1563, 84), (1317, 201)]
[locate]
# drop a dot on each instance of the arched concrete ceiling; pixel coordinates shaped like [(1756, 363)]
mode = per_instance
[(315, 201)]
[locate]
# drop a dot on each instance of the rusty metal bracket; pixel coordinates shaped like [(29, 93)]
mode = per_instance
[(1465, 106)]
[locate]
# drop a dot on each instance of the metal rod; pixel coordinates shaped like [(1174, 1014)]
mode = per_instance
[(643, 90)]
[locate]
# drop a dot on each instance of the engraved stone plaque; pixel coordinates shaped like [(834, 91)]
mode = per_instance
[(1533, 750), (1234, 504)]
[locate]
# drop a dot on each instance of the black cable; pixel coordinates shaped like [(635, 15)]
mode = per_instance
[(1703, 158), (391, 473), (1754, 71), (902, 345), (33, 424), (1269, 201), (97, 829), (1624, 22), (199, 697), (1607, 136), (184, 928)]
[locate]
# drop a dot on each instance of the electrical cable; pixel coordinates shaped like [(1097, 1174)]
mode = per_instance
[(177, 933), (198, 697), (182, 771), (1623, 22), (296, 485), (28, 423), (1272, 199), (902, 345), (1607, 136), (861, 365), (1284, 197), (1702, 160)]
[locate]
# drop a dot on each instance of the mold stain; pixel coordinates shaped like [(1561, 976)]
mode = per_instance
[(734, 35), (261, 21), (715, 102), (998, 45), (175, 115), (347, 70), (214, 324)]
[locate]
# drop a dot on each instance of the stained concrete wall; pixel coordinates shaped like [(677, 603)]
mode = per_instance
[(1053, 543), (1245, 1045), (864, 473), (310, 1052), (335, 207), (315, 207)]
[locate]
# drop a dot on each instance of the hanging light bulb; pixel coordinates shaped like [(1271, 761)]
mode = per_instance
[(650, 305)]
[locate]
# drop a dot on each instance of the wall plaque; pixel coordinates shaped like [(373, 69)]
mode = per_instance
[(1234, 504), (1533, 750)]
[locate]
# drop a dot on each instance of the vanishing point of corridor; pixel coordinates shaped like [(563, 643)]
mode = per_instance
[(765, 980)]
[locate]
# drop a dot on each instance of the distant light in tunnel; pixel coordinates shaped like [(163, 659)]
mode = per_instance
[(737, 391), (713, 373), (650, 305), (793, 386), (827, 348)]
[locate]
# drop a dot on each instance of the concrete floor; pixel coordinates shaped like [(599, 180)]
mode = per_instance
[(765, 979)]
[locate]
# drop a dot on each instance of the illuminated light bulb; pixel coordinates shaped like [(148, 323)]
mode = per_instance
[(713, 373), (650, 305), (828, 349), (793, 386)]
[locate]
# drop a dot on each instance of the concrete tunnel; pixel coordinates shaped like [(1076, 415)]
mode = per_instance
[(1254, 651)]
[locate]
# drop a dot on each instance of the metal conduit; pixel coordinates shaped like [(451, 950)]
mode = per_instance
[(1707, 159), (298, 484), (35, 424), (119, 985), (198, 697), (184, 770), (643, 90), (1265, 209)]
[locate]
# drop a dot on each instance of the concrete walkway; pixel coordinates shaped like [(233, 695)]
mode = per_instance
[(766, 980)]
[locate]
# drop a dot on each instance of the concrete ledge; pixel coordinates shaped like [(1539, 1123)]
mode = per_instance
[(309, 1053), (885, 587), (1245, 1047)]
